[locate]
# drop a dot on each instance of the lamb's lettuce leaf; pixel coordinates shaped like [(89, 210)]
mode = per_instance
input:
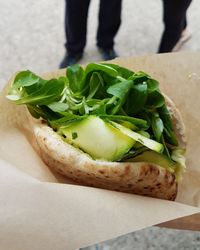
[(111, 92)]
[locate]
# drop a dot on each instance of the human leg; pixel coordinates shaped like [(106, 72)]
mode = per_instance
[(76, 12), (174, 17), (109, 23)]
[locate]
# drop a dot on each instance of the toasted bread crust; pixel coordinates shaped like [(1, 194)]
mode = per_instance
[(138, 178)]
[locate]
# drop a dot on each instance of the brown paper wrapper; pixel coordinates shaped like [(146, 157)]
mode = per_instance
[(41, 210)]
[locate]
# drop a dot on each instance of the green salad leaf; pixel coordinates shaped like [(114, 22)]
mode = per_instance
[(128, 102), (120, 89), (30, 89), (136, 99), (75, 75)]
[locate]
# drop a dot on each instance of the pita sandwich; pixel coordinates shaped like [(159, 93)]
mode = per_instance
[(150, 172)]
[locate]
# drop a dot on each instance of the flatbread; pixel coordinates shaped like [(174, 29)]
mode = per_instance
[(132, 177)]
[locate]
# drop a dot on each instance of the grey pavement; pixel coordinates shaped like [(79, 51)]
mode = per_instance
[(153, 238), (32, 37)]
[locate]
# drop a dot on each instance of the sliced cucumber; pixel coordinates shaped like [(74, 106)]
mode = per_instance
[(98, 138), (151, 144), (156, 158)]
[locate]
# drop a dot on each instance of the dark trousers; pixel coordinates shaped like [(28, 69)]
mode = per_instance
[(76, 14), (174, 18)]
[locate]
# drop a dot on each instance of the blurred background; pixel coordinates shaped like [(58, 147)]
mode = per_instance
[(32, 37), (32, 33)]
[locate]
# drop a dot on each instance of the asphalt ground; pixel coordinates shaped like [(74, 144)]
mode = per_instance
[(32, 37)]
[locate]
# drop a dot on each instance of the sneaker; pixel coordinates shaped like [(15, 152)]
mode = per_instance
[(185, 36), (70, 60), (107, 54)]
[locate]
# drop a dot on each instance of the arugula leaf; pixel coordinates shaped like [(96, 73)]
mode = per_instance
[(93, 67), (139, 77), (101, 110), (120, 89), (75, 75), (136, 99), (123, 72), (25, 78), (96, 84), (145, 116), (97, 106), (168, 129), (45, 94), (170, 137), (43, 112), (157, 126), (165, 116), (66, 120), (36, 112), (109, 80), (152, 85), (155, 100), (166, 151), (23, 81)]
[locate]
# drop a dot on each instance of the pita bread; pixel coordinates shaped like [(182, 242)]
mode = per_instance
[(132, 177)]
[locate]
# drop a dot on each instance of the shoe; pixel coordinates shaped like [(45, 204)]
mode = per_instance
[(107, 54), (185, 36), (70, 60)]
